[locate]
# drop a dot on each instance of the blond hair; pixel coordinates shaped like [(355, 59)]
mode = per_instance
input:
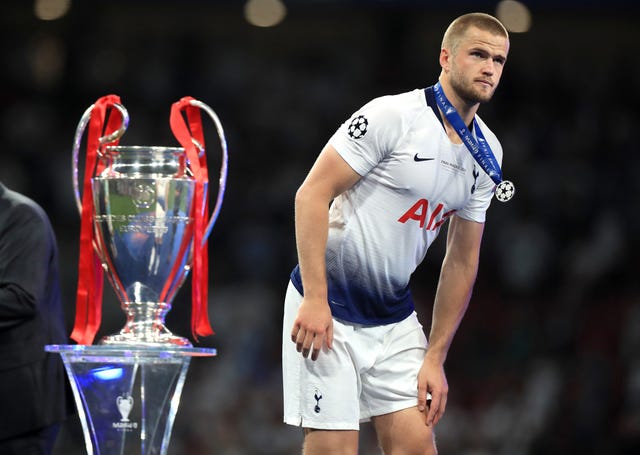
[(459, 26)]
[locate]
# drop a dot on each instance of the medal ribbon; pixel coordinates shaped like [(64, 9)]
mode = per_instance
[(90, 273), (480, 149), (186, 134)]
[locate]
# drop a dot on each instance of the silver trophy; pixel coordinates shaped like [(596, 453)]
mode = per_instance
[(143, 223)]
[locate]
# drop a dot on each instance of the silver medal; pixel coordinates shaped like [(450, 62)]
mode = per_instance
[(505, 191)]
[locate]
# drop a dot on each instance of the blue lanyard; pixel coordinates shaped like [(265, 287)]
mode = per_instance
[(480, 149)]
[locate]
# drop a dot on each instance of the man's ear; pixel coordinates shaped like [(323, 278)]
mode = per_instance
[(445, 59)]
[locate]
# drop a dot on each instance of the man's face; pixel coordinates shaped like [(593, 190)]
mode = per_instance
[(476, 65)]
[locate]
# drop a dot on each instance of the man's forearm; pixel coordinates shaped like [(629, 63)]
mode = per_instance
[(311, 226), (452, 299)]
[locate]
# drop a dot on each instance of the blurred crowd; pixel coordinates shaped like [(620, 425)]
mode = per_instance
[(547, 360)]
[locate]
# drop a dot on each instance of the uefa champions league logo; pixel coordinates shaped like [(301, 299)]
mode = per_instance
[(358, 127), (505, 191), (124, 405), (143, 196)]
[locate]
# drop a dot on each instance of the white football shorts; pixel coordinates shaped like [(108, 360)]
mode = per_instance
[(371, 371)]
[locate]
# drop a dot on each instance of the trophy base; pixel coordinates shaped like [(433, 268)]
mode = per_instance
[(145, 327), (160, 340)]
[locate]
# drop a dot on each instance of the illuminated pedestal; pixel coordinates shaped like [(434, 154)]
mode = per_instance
[(127, 396)]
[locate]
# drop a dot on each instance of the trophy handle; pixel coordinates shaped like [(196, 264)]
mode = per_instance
[(77, 139), (222, 183)]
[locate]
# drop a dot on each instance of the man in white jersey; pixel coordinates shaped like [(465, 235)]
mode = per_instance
[(392, 175)]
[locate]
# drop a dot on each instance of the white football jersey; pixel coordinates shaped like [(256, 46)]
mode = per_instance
[(413, 179)]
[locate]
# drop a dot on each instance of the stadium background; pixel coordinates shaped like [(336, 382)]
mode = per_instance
[(547, 360)]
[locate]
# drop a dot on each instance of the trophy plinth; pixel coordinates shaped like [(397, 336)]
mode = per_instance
[(127, 396)]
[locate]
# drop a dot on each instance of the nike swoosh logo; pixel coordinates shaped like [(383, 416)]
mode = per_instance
[(417, 158)]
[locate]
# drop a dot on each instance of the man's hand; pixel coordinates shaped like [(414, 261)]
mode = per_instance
[(432, 381), (312, 328)]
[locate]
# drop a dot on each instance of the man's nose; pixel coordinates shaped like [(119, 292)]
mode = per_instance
[(489, 67)]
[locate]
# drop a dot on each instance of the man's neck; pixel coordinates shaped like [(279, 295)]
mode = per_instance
[(465, 110)]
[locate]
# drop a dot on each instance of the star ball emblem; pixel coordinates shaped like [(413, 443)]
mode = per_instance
[(358, 127), (505, 191)]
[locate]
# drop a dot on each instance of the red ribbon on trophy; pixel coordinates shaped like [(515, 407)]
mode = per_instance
[(90, 272), (191, 137)]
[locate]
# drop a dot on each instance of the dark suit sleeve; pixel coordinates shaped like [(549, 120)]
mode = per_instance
[(25, 250)]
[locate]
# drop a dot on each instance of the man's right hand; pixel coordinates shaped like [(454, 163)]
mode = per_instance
[(313, 327)]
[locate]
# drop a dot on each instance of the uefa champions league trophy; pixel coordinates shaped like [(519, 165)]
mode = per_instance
[(143, 213), (145, 219)]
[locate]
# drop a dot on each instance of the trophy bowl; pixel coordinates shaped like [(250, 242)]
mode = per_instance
[(144, 233)]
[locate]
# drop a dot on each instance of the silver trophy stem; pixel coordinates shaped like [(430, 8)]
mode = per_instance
[(145, 327)]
